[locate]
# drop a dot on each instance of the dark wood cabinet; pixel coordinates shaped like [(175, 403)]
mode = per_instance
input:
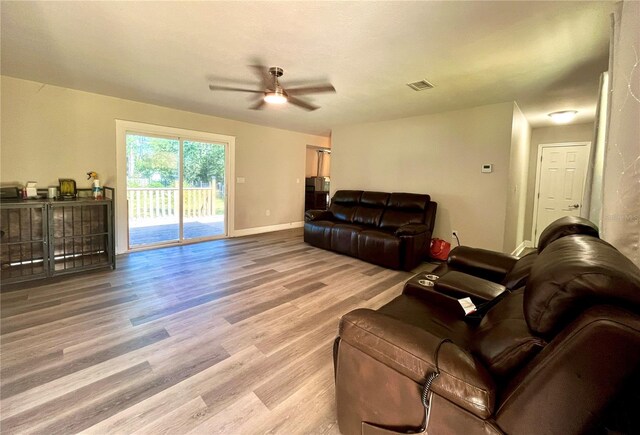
[(316, 200), (42, 238)]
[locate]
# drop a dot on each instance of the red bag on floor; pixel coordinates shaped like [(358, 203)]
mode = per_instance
[(440, 249)]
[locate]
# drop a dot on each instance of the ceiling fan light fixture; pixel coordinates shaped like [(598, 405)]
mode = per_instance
[(276, 97), (273, 93), (563, 117)]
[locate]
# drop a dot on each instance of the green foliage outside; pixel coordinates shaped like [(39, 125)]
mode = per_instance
[(153, 162), (219, 206)]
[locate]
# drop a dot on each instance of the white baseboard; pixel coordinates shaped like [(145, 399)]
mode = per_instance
[(522, 246), (267, 229)]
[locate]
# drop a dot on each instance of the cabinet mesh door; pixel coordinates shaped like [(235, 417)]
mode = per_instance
[(80, 236), (22, 252)]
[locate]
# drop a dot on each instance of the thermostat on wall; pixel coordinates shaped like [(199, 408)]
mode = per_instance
[(487, 167)]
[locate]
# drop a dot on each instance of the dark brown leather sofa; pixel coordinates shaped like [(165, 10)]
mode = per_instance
[(389, 229), (508, 270), (548, 358)]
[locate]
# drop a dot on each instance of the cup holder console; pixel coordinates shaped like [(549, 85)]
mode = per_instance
[(430, 280)]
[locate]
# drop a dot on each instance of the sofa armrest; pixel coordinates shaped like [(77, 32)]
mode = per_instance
[(415, 240), (411, 230), (317, 215), (411, 351), (460, 285), (491, 265)]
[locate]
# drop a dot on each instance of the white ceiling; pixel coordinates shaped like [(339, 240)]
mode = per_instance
[(547, 56)]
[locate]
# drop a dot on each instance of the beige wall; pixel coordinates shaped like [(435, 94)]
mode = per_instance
[(439, 154), (517, 182), (544, 135), (50, 132)]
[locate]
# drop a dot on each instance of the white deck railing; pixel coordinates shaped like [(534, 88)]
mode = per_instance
[(158, 203)]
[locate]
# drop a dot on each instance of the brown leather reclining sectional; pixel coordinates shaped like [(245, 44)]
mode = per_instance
[(389, 229), (547, 358)]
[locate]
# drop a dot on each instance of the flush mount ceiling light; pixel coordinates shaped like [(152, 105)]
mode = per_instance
[(563, 117)]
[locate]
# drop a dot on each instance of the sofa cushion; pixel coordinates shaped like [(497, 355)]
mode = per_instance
[(368, 216), (409, 201), (574, 273), (318, 233), (410, 307), (379, 247), (403, 209), (503, 340), (371, 207), (344, 204), (344, 238), (374, 199), (347, 197)]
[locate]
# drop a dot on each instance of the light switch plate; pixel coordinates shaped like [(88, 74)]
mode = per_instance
[(240, 180)]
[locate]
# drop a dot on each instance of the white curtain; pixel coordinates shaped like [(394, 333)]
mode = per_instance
[(324, 163), (621, 177)]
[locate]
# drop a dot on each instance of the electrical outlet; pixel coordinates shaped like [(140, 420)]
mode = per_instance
[(267, 212), (454, 233)]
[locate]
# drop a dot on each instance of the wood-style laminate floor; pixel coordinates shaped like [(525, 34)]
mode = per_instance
[(233, 336)]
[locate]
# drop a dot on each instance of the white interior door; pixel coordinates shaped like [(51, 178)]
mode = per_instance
[(560, 187)]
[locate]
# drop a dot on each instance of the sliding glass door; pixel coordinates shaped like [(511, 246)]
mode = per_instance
[(176, 189), (203, 184), (153, 189)]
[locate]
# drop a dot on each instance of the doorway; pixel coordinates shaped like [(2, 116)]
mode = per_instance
[(317, 181), (560, 180), (173, 184)]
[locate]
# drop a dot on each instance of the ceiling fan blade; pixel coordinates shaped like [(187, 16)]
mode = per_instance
[(311, 90), (227, 88), (297, 102), (262, 72), (259, 105)]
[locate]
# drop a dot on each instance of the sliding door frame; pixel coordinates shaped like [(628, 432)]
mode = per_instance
[(121, 211)]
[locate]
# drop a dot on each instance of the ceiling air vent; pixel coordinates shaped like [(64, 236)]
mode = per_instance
[(420, 85)]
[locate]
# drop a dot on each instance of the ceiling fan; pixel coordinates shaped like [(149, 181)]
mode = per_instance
[(274, 93)]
